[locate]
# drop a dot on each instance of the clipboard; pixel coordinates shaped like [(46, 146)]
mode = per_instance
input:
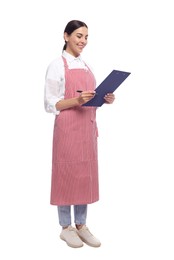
[(108, 85)]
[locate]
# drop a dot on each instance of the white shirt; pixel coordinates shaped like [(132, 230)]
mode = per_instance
[(55, 80)]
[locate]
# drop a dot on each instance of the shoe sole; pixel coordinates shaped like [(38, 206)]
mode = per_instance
[(71, 245)]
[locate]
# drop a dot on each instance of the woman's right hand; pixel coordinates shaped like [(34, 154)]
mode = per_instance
[(85, 96)]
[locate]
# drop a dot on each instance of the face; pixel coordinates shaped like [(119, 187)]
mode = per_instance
[(76, 41)]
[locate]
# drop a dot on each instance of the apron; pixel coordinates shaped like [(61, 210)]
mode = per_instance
[(75, 159)]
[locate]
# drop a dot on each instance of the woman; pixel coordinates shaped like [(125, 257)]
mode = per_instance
[(74, 159)]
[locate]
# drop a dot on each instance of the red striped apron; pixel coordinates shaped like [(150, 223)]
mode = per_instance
[(75, 160)]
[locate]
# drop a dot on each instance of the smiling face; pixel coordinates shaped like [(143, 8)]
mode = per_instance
[(76, 41)]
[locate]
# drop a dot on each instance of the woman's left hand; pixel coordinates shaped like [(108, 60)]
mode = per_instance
[(109, 98)]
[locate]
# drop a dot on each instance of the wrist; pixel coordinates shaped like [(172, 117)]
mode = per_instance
[(79, 101)]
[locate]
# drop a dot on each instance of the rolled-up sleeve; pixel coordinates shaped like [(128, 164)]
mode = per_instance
[(54, 87)]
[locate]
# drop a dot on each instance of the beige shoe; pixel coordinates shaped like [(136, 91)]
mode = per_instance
[(87, 237), (69, 235)]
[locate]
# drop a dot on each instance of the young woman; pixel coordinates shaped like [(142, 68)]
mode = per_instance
[(74, 158)]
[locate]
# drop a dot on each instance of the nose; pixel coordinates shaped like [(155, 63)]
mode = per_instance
[(84, 40)]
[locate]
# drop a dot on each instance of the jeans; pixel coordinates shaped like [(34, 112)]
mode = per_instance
[(64, 214)]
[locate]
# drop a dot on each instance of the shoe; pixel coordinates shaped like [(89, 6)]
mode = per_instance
[(87, 237), (70, 236)]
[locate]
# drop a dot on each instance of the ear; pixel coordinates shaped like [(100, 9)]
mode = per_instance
[(66, 37)]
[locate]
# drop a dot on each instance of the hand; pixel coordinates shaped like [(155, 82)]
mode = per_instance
[(85, 96), (109, 98)]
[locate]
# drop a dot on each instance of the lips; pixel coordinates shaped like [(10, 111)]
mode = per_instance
[(81, 46)]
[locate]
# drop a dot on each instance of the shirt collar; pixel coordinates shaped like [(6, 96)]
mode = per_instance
[(70, 58)]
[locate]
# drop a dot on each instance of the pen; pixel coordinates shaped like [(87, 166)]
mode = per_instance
[(80, 91)]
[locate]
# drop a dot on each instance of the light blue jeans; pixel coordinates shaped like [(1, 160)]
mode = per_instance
[(64, 214)]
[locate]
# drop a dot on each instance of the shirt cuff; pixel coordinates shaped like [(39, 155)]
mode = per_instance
[(51, 107)]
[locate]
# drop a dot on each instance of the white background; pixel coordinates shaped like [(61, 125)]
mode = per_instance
[(134, 217)]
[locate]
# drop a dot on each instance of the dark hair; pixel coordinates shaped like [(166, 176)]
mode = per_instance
[(71, 27)]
